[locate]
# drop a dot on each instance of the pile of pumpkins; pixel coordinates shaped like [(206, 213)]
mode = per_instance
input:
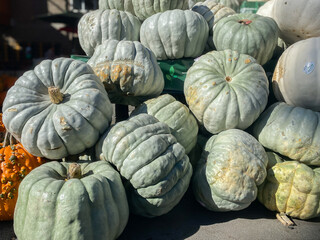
[(229, 141)]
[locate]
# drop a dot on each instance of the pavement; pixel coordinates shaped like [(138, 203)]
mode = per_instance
[(189, 220)]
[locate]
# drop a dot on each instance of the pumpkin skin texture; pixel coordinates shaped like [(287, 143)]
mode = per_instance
[(121, 5), (266, 9), (15, 163), (128, 70), (48, 127), (296, 76), (212, 12), (247, 33), (176, 115), (145, 8), (291, 131), (293, 29), (175, 34), (231, 167), (225, 89), (293, 188), (96, 26), (148, 156), (93, 206)]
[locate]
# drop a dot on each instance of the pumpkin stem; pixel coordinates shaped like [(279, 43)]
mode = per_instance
[(245, 21), (55, 95), (74, 171), (228, 79)]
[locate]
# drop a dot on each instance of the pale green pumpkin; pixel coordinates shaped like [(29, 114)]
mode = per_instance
[(292, 188), (176, 115), (225, 89), (97, 26), (232, 165), (128, 70), (64, 203), (291, 131), (148, 156), (175, 34), (58, 109), (122, 5), (247, 33)]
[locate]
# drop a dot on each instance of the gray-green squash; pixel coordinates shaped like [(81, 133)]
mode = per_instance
[(292, 188), (122, 5), (128, 70), (175, 34), (84, 201), (96, 26), (247, 33), (147, 155), (225, 89), (59, 108), (293, 132), (176, 115), (232, 165)]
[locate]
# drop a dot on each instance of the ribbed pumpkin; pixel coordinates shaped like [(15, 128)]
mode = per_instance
[(231, 167), (122, 5), (96, 26), (247, 33), (147, 155), (292, 188), (179, 34), (58, 109), (71, 201), (225, 89), (176, 115), (15, 163), (212, 12), (293, 132), (296, 76), (128, 70)]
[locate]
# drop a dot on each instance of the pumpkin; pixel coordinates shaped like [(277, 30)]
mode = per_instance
[(15, 163), (156, 169), (233, 4), (266, 9), (212, 12), (96, 26), (292, 188), (122, 5), (65, 200), (226, 89), (146, 8), (291, 131), (128, 70), (179, 34), (247, 33), (293, 28), (193, 2), (57, 109), (176, 115), (231, 167), (296, 76)]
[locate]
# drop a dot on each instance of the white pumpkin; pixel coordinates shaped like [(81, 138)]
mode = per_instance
[(296, 78), (122, 5), (266, 9), (297, 20)]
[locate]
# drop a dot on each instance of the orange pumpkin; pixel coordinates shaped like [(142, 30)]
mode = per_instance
[(15, 164)]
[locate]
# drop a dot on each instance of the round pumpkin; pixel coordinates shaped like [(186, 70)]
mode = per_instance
[(212, 12), (225, 89), (122, 5), (71, 201), (233, 4), (58, 109), (175, 34), (128, 70), (15, 163), (297, 20), (296, 76), (266, 9), (146, 8), (147, 155), (247, 33), (96, 26), (176, 115), (292, 188), (293, 132), (231, 167)]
